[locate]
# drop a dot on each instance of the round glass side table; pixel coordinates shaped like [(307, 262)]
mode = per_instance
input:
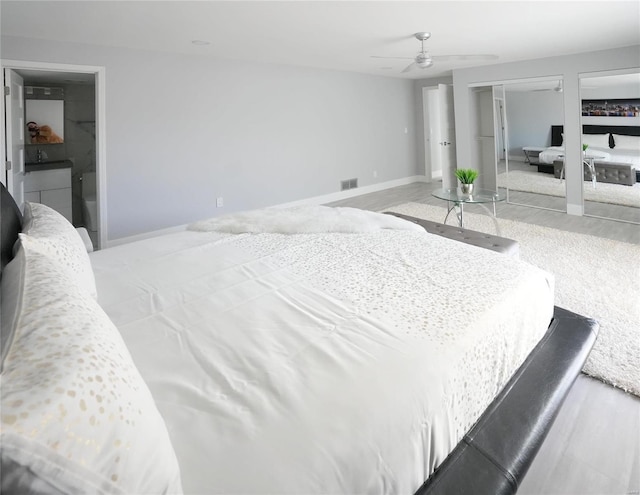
[(459, 199)]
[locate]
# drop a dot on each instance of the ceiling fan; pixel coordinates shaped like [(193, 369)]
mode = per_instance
[(424, 60)]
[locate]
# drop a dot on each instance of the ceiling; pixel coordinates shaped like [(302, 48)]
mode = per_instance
[(335, 35)]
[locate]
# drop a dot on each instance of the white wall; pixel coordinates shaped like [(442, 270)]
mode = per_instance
[(183, 130), (569, 69)]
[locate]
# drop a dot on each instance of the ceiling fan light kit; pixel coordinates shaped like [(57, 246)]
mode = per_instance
[(423, 61)]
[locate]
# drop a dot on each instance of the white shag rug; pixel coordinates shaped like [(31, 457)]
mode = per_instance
[(604, 192), (595, 277)]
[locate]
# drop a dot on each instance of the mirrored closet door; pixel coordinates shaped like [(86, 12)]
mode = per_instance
[(531, 169), (611, 143)]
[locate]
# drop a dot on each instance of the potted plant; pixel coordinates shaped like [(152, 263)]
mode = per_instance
[(584, 148), (466, 176)]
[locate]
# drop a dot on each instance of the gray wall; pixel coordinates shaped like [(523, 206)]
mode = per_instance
[(530, 116), (182, 130)]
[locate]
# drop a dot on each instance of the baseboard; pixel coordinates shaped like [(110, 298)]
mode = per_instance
[(351, 193), (144, 235), (316, 200)]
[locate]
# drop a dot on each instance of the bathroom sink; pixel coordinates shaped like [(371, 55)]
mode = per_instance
[(46, 165)]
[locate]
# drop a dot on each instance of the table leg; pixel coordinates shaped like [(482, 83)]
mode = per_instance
[(460, 214), (590, 163), (458, 207), (493, 217)]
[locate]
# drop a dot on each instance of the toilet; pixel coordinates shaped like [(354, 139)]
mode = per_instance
[(89, 203)]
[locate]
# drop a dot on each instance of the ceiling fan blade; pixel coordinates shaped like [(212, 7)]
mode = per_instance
[(398, 58), (409, 67), (465, 57)]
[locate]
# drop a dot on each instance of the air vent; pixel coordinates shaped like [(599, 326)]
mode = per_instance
[(348, 184)]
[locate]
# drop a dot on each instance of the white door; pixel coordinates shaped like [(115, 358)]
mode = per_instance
[(439, 125), (448, 132), (14, 130), (432, 133)]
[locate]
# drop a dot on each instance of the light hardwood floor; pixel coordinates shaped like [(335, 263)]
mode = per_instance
[(594, 444)]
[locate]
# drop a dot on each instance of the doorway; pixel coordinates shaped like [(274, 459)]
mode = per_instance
[(75, 163), (439, 131)]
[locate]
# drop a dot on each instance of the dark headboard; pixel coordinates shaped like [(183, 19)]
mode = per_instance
[(625, 130), (10, 226)]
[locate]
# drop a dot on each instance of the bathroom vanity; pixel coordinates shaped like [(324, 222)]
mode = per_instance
[(49, 183)]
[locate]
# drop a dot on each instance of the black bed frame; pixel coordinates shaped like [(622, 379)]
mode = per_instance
[(494, 455), (10, 226), (625, 130)]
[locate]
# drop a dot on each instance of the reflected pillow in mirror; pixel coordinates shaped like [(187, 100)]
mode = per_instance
[(627, 142), (596, 140)]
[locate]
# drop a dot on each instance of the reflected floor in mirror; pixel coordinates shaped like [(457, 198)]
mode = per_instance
[(529, 187)]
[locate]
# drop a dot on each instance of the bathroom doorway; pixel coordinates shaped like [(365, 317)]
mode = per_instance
[(65, 172)]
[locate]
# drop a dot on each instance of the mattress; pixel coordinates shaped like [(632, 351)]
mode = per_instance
[(320, 362)]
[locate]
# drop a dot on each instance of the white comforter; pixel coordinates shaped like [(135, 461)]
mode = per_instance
[(320, 363), (549, 155)]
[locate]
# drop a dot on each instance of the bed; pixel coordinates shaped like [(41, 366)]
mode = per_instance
[(616, 145), (347, 353)]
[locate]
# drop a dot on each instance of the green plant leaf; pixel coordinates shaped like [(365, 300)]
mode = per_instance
[(466, 175)]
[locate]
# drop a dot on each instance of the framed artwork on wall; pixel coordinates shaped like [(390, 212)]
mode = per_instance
[(45, 121), (611, 108)]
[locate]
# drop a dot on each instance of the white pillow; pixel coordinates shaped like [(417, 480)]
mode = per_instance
[(60, 240), (596, 140), (627, 142), (75, 411)]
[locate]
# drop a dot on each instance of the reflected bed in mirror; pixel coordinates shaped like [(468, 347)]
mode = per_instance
[(45, 121), (616, 194), (613, 153), (531, 108)]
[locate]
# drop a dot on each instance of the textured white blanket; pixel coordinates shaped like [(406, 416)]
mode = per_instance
[(320, 363), (557, 153), (303, 220)]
